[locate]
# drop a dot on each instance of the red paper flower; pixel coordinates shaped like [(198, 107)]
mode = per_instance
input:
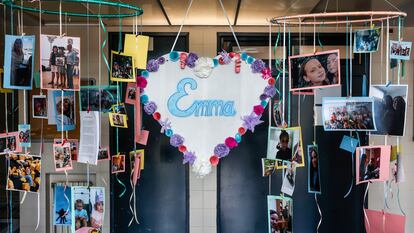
[(141, 82), (182, 148), (214, 160), (266, 73), (157, 116), (242, 130), (231, 142), (271, 81), (258, 109)]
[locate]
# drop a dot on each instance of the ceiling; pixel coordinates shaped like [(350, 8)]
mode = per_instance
[(209, 12)]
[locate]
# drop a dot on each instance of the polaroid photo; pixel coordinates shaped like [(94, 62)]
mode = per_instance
[(314, 178), (3, 90), (268, 167), (136, 159), (60, 62), (74, 146), (400, 50), (24, 135), (390, 108), (314, 70), (122, 67), (346, 114), (88, 209), (19, 62), (62, 157), (9, 142), (62, 210), (103, 153), (118, 120), (118, 163), (280, 214), (285, 144), (373, 163), (64, 107), (366, 41), (97, 99), (119, 109), (289, 179), (24, 173), (97, 200), (39, 106), (131, 93)]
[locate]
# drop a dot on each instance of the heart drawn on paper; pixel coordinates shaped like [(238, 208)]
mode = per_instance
[(205, 105)]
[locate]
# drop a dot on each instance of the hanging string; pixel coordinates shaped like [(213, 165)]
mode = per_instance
[(320, 213), (364, 209), (387, 49), (182, 24), (347, 57), (284, 71), (231, 27), (382, 48), (289, 94)]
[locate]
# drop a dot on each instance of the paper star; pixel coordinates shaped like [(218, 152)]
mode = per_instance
[(250, 121), (165, 125)]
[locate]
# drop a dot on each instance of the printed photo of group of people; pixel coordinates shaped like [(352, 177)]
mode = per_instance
[(280, 214), (366, 41), (62, 157), (342, 113), (23, 173), (74, 146), (131, 93), (118, 163), (288, 185), (400, 49), (285, 144), (122, 67), (98, 99)]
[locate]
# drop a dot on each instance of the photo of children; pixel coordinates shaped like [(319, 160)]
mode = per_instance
[(344, 114), (9, 142), (315, 70), (268, 167), (400, 50), (23, 173), (390, 104), (39, 106), (373, 163), (366, 41), (118, 163), (24, 135), (103, 153), (18, 62), (280, 214), (314, 183), (74, 146), (60, 61), (288, 185), (97, 199), (62, 158), (90, 96), (62, 207), (122, 67), (87, 209), (131, 92), (118, 120), (285, 144), (65, 110)]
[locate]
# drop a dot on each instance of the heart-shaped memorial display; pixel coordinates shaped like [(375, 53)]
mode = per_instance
[(205, 105)]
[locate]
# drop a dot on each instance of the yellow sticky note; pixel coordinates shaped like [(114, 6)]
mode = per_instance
[(137, 46)]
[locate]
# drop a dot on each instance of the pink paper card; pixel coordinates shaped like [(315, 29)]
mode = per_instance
[(372, 163), (383, 222), (143, 138), (138, 119)]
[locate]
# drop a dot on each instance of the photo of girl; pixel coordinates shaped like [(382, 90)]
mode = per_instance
[(373, 163), (24, 135), (118, 120), (288, 185), (62, 157), (366, 41), (65, 110), (319, 70), (131, 92), (97, 198), (118, 163), (280, 214), (39, 106), (285, 144), (103, 154), (18, 62), (9, 142), (313, 170)]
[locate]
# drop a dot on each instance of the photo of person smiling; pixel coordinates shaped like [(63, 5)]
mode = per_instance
[(312, 73)]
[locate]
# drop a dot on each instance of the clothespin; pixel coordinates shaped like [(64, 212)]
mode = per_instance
[(64, 141)]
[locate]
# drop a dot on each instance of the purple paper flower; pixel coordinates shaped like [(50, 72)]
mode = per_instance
[(161, 60), (176, 140), (221, 150), (191, 59), (150, 108), (269, 91), (225, 56), (257, 66), (153, 65), (250, 121), (263, 97), (189, 157)]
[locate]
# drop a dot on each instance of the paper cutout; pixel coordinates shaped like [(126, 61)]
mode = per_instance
[(143, 139), (122, 67), (373, 163), (118, 163), (349, 144), (137, 46), (24, 173), (366, 41), (400, 50), (24, 135), (62, 210), (62, 157), (138, 119), (89, 137), (280, 214), (383, 222), (314, 178), (39, 106)]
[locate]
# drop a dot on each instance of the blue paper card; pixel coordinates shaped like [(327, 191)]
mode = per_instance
[(64, 108), (349, 144), (62, 209)]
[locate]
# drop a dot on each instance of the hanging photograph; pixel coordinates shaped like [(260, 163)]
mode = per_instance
[(314, 179), (268, 167), (62, 210), (118, 120), (98, 99), (400, 50), (280, 214), (373, 163), (285, 144), (130, 94), (87, 209), (97, 200), (122, 67), (136, 161), (62, 158), (345, 114), (366, 41), (118, 163), (390, 106), (288, 185), (314, 70), (39, 105), (9, 142), (103, 153), (119, 108), (60, 62), (65, 110), (23, 173), (24, 135), (74, 146), (19, 62)]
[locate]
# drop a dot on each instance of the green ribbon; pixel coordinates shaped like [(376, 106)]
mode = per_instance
[(104, 44), (122, 184)]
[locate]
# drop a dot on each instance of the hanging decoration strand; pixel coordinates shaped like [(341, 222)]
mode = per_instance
[(363, 207), (182, 24), (231, 27), (320, 213)]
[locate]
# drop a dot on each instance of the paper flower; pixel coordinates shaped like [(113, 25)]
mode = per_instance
[(189, 157), (266, 73), (174, 56), (269, 91), (258, 110), (152, 65), (250, 121), (141, 82), (257, 66), (214, 160), (203, 67), (165, 125), (191, 59), (226, 57), (150, 108), (161, 60), (176, 140), (231, 142), (221, 150), (263, 97), (201, 167)]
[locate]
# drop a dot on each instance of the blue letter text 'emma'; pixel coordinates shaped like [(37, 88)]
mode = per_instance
[(198, 108)]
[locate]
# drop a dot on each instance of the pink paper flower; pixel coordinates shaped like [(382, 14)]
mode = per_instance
[(231, 142), (141, 82), (258, 110)]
